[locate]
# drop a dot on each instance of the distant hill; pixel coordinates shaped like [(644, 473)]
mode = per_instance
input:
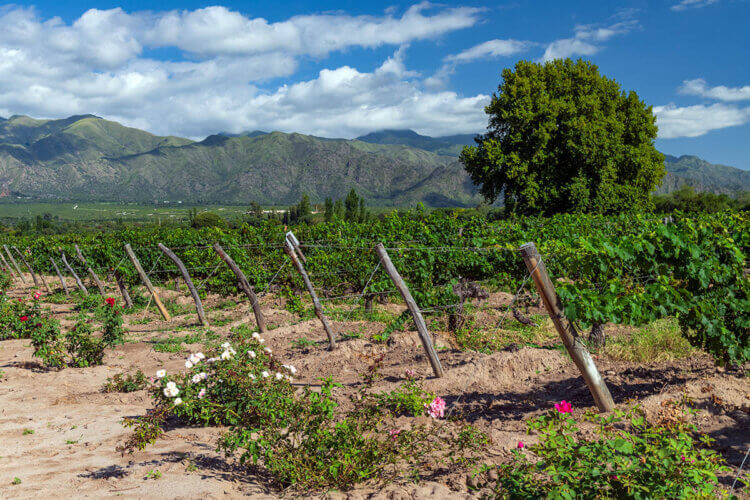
[(703, 176), (450, 145), (87, 158), (682, 171)]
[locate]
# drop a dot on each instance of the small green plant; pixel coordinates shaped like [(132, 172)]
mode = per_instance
[(627, 458), (407, 399), (125, 382), (71, 441), (112, 330), (16, 480), (153, 474), (83, 348), (302, 343), (26, 432)]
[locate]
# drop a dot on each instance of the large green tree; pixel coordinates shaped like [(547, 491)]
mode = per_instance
[(564, 138)]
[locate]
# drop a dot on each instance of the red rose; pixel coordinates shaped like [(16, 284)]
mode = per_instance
[(110, 301), (24, 318)]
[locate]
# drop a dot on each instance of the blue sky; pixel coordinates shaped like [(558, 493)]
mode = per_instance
[(341, 69)]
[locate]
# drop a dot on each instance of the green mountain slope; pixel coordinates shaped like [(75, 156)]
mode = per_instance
[(86, 158), (703, 176)]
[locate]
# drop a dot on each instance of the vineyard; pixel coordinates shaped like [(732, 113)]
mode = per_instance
[(313, 370)]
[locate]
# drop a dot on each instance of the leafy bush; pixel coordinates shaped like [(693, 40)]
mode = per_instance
[(112, 330), (628, 458), (301, 439), (83, 348), (122, 382), (407, 399)]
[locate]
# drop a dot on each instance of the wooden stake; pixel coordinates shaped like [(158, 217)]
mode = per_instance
[(147, 282), (572, 341), (196, 298), (295, 244), (26, 263), (123, 290), (60, 276), (7, 266), (91, 272), (424, 334), (75, 276), (245, 286), (289, 249), (15, 264)]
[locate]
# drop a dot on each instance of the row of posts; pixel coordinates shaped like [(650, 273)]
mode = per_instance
[(567, 331)]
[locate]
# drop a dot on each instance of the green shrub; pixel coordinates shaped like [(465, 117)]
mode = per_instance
[(122, 382), (627, 458)]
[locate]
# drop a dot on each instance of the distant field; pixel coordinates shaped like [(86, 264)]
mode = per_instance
[(113, 211)]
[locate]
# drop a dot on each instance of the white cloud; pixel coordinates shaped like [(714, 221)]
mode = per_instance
[(99, 64), (588, 38), (692, 4), (694, 121), (722, 93), (490, 48)]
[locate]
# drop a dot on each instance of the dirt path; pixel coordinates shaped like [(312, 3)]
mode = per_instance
[(59, 431)]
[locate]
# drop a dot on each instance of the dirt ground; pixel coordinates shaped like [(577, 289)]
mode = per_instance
[(76, 427)]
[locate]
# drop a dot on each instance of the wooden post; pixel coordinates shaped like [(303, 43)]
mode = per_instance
[(123, 289), (289, 249), (91, 272), (7, 266), (26, 263), (147, 282), (75, 276), (60, 276), (295, 244), (572, 341), (245, 286), (196, 298), (424, 335), (15, 264)]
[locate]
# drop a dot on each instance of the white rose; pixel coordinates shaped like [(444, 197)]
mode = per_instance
[(188, 364), (161, 373), (265, 374), (177, 401)]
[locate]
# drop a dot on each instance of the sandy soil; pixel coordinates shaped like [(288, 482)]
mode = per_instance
[(76, 427)]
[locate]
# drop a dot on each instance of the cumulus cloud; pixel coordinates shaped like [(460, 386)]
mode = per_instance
[(722, 93), (99, 64), (691, 4), (587, 39), (694, 121), (490, 48)]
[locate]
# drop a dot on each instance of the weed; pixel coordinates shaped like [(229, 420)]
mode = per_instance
[(125, 383), (659, 341), (26, 432), (16, 480), (153, 474)]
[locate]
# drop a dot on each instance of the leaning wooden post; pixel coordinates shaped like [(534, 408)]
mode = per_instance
[(572, 341), (245, 286), (60, 276), (91, 272), (289, 249), (73, 273), (26, 263), (123, 289), (424, 335), (15, 264), (295, 243), (6, 266), (198, 305), (147, 282)]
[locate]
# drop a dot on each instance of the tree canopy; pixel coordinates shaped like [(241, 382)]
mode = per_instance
[(564, 138)]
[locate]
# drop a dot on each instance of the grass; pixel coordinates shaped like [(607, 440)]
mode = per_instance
[(659, 341), (489, 338)]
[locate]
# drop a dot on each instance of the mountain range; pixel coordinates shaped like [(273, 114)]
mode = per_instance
[(87, 158)]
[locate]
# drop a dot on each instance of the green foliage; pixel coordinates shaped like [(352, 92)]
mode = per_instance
[(207, 219), (122, 382), (112, 331), (83, 348), (564, 138), (627, 458), (687, 200), (407, 399)]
